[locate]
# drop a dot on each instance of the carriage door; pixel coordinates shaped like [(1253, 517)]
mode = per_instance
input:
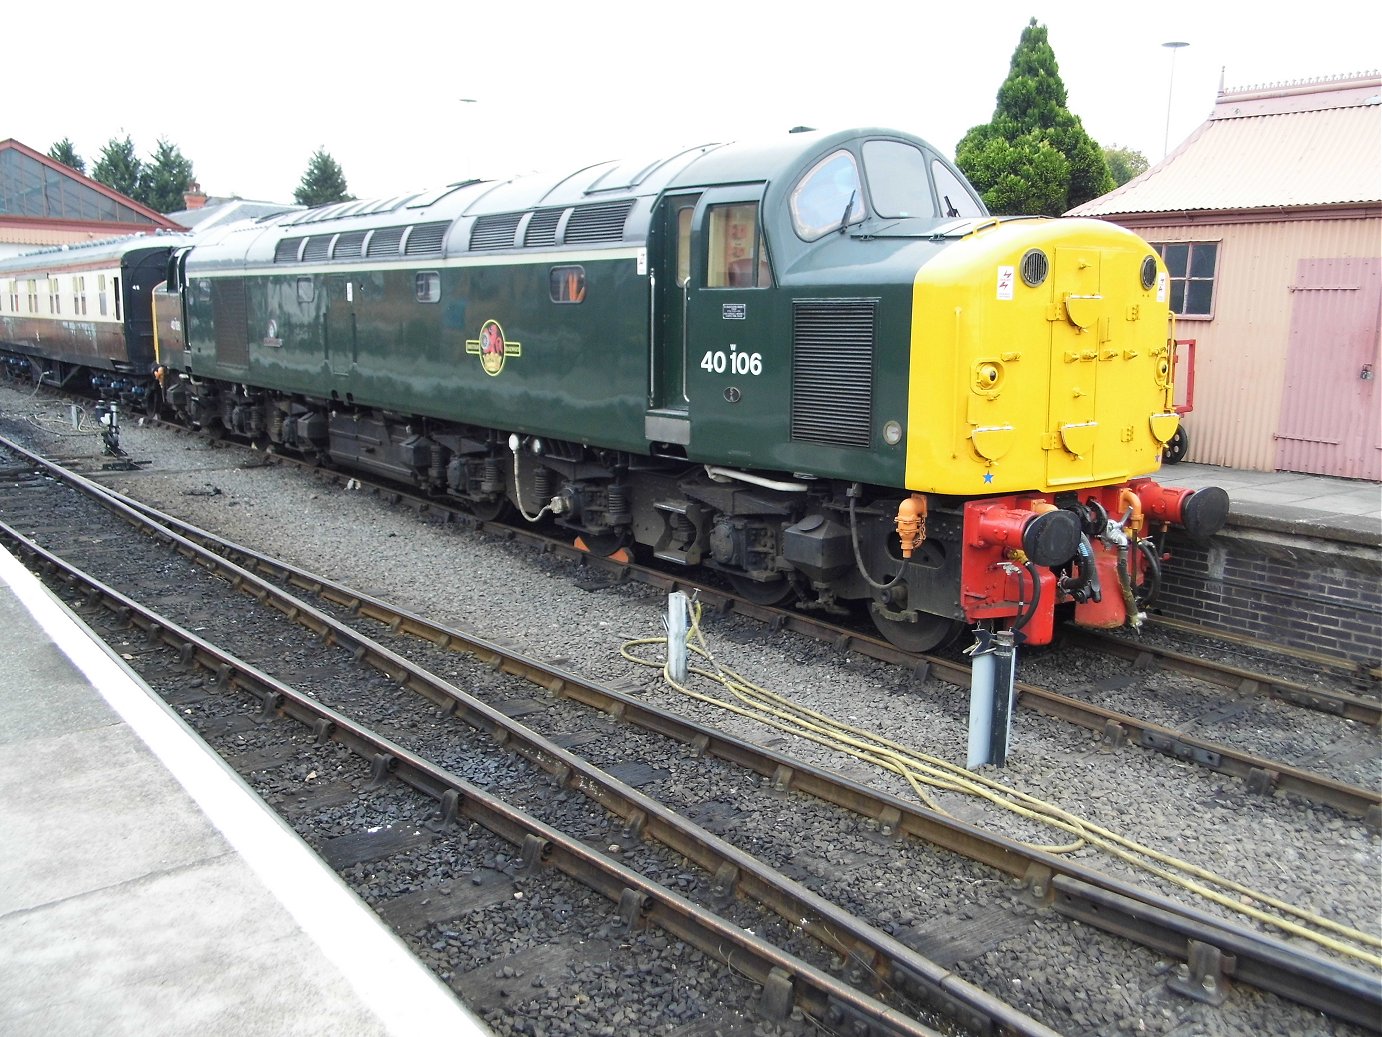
[(667, 420)]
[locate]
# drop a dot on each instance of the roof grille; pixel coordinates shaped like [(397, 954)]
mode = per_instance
[(349, 245), (542, 228), (832, 370), (591, 223), (384, 241), (286, 251), (425, 239), (317, 247), (494, 231)]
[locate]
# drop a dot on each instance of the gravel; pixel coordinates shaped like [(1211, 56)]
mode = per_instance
[(1306, 855)]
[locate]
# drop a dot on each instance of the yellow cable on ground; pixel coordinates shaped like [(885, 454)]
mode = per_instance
[(920, 771)]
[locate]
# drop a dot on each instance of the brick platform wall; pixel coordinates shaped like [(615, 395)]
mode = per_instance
[(1299, 591)]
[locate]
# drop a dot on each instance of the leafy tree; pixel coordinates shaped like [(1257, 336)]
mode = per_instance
[(323, 183), (1124, 164), (164, 178), (119, 167), (1006, 158), (65, 152)]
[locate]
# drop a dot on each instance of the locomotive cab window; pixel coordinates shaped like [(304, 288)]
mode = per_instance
[(829, 196), (427, 286), (566, 284), (955, 196), (898, 183), (738, 254)]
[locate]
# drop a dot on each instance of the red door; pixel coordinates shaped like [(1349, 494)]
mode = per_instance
[(1331, 421)]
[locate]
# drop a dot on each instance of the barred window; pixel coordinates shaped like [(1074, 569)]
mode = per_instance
[(1193, 266)]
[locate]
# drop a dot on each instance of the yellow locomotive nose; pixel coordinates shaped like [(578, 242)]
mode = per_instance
[(1053, 343)]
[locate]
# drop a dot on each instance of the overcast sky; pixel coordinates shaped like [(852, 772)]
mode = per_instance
[(249, 90)]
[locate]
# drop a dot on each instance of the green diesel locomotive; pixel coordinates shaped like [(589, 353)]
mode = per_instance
[(814, 364)]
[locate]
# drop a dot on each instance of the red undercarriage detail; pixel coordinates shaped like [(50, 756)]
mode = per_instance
[(997, 581)]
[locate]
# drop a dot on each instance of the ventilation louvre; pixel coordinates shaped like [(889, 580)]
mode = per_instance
[(286, 251), (384, 242), (832, 371), (318, 247), (349, 245), (425, 239), (595, 223), (491, 232), (542, 228)]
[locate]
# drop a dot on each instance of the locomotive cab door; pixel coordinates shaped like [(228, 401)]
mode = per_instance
[(668, 420)]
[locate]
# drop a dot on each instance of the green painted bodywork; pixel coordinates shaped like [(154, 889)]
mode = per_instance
[(607, 371)]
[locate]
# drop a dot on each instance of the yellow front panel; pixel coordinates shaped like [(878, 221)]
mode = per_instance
[(1014, 387)]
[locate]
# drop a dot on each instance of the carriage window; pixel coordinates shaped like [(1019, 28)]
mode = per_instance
[(898, 184), (738, 255), (33, 296), (828, 196), (54, 299), (79, 296), (101, 292), (956, 199), (307, 289), (566, 284)]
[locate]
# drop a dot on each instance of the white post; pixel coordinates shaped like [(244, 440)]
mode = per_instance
[(678, 614), (980, 700)]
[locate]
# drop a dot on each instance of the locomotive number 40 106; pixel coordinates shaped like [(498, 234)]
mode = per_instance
[(717, 361)]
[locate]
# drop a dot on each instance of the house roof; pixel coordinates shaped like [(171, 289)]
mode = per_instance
[(228, 210), (1297, 145)]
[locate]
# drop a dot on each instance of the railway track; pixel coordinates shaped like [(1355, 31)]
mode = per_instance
[(1185, 733), (1167, 927)]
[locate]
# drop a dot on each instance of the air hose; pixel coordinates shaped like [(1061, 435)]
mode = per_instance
[(922, 771)]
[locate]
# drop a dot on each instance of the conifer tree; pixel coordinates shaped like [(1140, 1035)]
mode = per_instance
[(323, 183), (65, 152), (1034, 157), (164, 179), (118, 167)]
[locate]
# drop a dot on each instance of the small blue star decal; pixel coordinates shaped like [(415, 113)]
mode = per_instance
[(988, 477)]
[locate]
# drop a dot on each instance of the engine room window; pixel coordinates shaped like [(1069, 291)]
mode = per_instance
[(898, 184), (427, 286), (307, 289), (738, 253), (1193, 266), (956, 199), (829, 195), (566, 284)]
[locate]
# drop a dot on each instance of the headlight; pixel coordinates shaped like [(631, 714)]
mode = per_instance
[(1148, 273)]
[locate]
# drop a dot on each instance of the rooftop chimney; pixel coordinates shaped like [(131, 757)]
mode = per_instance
[(193, 197)]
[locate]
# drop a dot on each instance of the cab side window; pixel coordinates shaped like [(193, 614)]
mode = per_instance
[(737, 252)]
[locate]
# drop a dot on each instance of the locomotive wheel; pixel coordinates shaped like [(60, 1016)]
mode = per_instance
[(927, 634), (488, 511), (759, 592), (602, 545), (1178, 447)]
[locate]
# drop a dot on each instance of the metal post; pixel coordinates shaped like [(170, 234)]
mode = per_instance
[(980, 698), (678, 613), (1005, 666)]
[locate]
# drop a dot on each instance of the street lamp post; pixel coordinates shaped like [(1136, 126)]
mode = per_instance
[(1175, 45)]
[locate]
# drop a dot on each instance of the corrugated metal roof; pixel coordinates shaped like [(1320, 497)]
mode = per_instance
[(1298, 146)]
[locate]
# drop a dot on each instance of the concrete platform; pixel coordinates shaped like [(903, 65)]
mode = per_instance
[(144, 888)]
